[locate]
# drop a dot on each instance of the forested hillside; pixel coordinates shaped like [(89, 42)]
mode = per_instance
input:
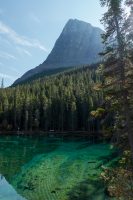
[(60, 102)]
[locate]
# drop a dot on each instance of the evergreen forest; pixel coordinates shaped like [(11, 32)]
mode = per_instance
[(61, 102), (94, 99)]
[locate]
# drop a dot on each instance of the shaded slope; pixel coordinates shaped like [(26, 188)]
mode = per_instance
[(78, 44)]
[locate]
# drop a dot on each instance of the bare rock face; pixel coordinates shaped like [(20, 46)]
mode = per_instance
[(78, 44)]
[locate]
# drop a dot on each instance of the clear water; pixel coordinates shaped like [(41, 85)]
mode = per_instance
[(42, 168)]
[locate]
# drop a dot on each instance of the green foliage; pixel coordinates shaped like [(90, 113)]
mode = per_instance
[(118, 76), (118, 68), (45, 74), (119, 180), (61, 102), (98, 113)]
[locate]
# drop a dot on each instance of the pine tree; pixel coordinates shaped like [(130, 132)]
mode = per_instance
[(2, 83), (61, 102), (118, 65)]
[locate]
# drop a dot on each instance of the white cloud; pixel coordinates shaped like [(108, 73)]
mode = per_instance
[(27, 52), (4, 41), (23, 51), (19, 39), (7, 55), (34, 18), (7, 76)]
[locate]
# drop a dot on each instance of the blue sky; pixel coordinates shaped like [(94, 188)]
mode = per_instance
[(29, 29)]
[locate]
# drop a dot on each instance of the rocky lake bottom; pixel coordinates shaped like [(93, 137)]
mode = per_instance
[(52, 168)]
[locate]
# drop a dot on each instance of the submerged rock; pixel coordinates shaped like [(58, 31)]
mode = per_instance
[(64, 175)]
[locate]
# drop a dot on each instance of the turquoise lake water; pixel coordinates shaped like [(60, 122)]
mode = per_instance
[(43, 168)]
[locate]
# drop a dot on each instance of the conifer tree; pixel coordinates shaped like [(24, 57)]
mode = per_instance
[(118, 65), (2, 83)]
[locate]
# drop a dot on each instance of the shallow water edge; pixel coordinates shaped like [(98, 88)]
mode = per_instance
[(54, 168)]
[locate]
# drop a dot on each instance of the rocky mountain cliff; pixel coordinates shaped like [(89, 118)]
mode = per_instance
[(78, 44)]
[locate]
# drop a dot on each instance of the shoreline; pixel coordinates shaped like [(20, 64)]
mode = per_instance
[(52, 133)]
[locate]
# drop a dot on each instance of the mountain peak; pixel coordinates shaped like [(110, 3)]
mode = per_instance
[(76, 21), (75, 24), (78, 44)]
